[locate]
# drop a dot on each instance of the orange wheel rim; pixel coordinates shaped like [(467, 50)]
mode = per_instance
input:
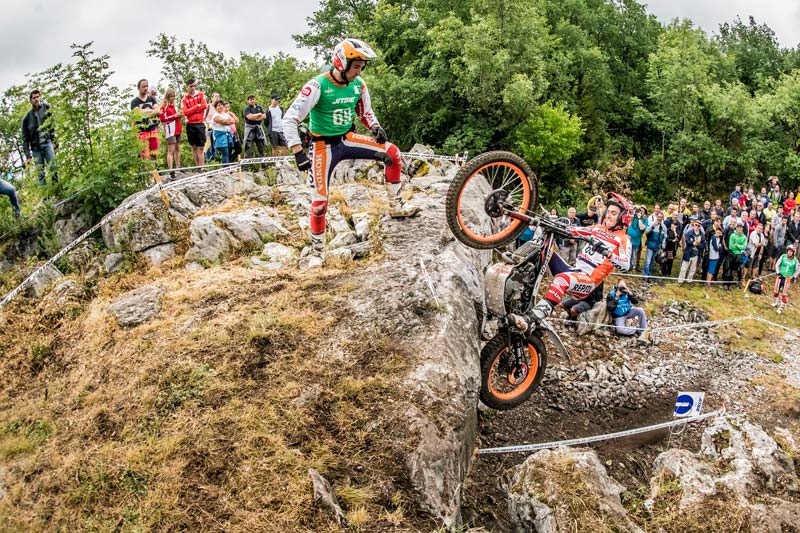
[(526, 194), (533, 370)]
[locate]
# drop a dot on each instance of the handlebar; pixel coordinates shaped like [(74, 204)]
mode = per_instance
[(553, 226)]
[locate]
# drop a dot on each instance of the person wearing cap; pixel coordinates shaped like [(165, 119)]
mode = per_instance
[(254, 137), (275, 126), (787, 271), (589, 217), (693, 242)]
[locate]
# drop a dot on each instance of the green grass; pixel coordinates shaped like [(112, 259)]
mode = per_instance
[(23, 436), (720, 304)]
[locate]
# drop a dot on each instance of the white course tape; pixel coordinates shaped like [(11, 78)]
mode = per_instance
[(670, 278), (597, 438), (690, 325)]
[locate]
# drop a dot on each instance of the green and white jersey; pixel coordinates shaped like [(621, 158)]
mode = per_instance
[(786, 267), (332, 107)]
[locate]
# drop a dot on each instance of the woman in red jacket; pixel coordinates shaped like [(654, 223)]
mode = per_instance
[(171, 120)]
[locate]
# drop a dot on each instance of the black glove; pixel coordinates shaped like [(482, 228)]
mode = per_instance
[(380, 135), (302, 160), (600, 247)]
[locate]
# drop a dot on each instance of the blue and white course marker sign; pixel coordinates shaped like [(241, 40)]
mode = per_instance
[(689, 404)]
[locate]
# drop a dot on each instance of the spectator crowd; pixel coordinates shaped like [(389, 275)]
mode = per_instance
[(212, 128), (741, 239)]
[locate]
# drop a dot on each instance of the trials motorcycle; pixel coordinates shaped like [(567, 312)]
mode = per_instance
[(491, 202)]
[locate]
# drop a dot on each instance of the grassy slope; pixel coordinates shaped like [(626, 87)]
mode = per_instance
[(193, 420)]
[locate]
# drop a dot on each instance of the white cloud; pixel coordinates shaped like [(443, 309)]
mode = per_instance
[(782, 16), (35, 36)]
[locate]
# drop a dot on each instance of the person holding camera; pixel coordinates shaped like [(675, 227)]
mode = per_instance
[(620, 303), (693, 242), (638, 225)]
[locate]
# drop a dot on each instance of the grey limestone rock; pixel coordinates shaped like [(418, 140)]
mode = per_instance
[(137, 306)]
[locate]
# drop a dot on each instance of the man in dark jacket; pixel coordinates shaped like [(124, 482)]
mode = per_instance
[(38, 137), (793, 230)]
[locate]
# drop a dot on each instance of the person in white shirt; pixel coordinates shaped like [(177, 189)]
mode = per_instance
[(275, 126), (755, 249)]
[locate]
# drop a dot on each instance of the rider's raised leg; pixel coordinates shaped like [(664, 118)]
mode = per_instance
[(322, 165), (576, 284), (364, 147)]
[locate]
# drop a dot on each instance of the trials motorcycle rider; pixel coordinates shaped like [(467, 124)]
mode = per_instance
[(610, 248), (333, 100)]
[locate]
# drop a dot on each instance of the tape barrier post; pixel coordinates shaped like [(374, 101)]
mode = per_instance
[(164, 198), (598, 438)]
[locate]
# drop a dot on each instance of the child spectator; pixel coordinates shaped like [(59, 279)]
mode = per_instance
[(223, 140)]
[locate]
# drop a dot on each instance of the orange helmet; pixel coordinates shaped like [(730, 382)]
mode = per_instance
[(349, 50)]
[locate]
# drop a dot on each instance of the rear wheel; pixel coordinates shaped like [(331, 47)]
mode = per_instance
[(510, 373), (470, 206)]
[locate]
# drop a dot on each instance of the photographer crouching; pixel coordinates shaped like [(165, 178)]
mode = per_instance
[(620, 304)]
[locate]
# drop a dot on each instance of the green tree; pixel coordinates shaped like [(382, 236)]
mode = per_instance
[(548, 137), (755, 51), (98, 148)]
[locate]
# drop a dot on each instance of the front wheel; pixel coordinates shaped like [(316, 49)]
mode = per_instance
[(511, 372), (471, 204)]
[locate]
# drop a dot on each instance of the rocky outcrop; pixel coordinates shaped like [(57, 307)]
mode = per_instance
[(214, 237), (737, 458), (137, 306), (440, 329), (541, 492), (740, 472)]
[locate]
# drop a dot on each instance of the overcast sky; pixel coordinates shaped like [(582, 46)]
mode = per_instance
[(36, 34)]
